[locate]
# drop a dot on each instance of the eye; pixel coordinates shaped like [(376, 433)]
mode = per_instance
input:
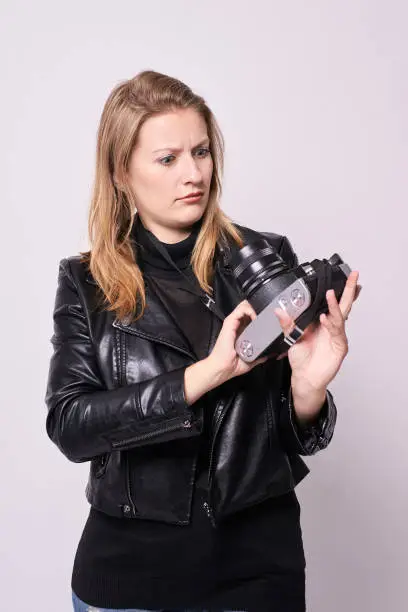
[(205, 150), (202, 152), (165, 159)]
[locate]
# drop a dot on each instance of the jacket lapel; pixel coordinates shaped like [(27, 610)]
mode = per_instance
[(156, 323)]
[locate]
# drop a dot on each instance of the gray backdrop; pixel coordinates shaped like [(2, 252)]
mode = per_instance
[(312, 98)]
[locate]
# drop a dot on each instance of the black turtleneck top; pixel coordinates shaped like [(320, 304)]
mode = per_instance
[(174, 290), (252, 560)]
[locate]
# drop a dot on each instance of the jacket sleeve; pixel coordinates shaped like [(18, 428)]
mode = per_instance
[(301, 439), (84, 418), (297, 438)]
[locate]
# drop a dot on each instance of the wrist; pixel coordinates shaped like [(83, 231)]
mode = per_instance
[(307, 400), (199, 378), (216, 375)]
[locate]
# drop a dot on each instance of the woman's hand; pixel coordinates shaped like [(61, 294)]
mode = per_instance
[(317, 356), (224, 360)]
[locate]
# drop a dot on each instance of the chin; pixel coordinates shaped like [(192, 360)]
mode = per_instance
[(188, 219), (194, 210)]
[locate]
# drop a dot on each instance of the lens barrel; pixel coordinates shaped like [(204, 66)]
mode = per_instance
[(256, 264)]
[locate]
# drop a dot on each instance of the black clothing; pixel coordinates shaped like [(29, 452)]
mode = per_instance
[(253, 559), (195, 321), (115, 397)]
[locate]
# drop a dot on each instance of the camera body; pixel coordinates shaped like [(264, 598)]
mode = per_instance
[(267, 282)]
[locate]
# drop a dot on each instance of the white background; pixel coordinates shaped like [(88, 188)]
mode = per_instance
[(312, 99)]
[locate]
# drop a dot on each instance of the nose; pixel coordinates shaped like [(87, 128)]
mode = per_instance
[(191, 171)]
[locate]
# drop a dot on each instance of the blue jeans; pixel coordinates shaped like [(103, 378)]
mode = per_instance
[(81, 606)]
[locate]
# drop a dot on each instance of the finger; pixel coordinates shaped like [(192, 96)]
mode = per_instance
[(338, 335), (325, 322), (335, 315), (310, 329), (349, 293), (243, 308), (241, 317), (246, 307), (262, 360), (334, 327), (286, 322), (358, 291), (240, 322)]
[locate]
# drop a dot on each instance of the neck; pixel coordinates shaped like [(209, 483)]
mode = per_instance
[(167, 235), (148, 252)]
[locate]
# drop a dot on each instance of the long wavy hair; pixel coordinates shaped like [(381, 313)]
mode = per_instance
[(112, 258)]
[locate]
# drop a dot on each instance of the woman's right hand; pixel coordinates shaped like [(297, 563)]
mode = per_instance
[(225, 361)]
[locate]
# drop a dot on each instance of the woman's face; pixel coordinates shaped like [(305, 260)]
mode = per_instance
[(171, 160)]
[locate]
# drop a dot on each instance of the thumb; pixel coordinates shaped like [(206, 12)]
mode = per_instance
[(286, 322)]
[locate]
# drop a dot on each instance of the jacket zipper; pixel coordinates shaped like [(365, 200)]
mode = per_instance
[(218, 417), (102, 465), (186, 424), (209, 513), (218, 414), (121, 358), (128, 489)]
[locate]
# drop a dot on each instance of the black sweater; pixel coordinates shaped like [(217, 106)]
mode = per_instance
[(252, 560)]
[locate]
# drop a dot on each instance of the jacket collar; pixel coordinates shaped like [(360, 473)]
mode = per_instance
[(157, 325), (222, 256)]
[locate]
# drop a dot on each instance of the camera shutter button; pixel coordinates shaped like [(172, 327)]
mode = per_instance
[(246, 348), (297, 298)]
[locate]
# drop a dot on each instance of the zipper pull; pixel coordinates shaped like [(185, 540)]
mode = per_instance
[(209, 513)]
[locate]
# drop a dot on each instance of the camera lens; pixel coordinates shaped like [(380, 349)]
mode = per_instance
[(256, 264)]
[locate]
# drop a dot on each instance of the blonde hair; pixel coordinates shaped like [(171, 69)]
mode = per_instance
[(112, 260)]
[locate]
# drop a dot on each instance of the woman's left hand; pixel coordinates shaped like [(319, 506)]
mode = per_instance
[(317, 356)]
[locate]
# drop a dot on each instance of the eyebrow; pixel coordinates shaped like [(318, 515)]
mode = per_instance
[(176, 150)]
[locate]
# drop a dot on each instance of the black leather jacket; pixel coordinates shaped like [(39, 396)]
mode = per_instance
[(115, 397)]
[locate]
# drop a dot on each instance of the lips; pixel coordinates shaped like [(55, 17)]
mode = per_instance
[(196, 194)]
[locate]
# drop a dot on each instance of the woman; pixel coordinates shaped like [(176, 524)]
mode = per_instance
[(194, 453)]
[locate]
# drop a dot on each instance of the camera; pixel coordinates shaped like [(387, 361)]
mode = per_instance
[(268, 282)]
